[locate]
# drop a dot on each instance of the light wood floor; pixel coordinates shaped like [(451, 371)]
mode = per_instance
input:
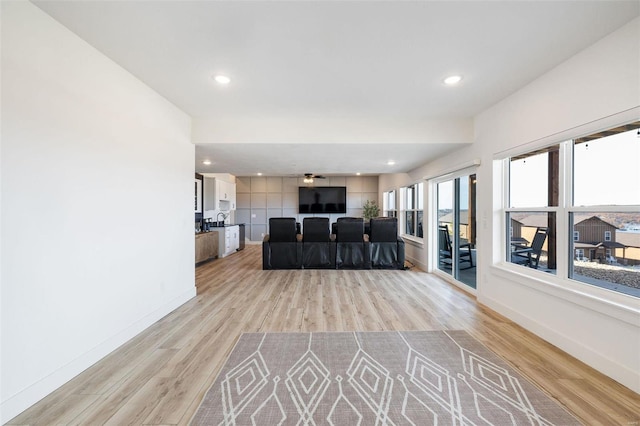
[(159, 377)]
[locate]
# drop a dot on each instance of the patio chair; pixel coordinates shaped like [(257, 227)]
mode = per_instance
[(530, 256), (446, 249)]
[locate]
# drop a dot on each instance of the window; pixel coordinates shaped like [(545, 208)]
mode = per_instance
[(606, 210), (583, 194), (389, 206), (532, 209), (456, 227), (413, 209)]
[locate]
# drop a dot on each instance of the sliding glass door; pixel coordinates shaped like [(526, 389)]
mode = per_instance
[(456, 228)]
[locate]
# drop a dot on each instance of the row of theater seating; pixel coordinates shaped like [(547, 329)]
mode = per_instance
[(348, 247)]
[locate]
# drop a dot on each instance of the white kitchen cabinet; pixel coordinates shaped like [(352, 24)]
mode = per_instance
[(232, 199), (229, 240), (226, 192)]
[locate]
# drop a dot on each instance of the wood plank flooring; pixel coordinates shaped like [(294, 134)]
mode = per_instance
[(160, 376)]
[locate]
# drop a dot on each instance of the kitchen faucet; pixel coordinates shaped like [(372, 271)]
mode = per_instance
[(224, 217)]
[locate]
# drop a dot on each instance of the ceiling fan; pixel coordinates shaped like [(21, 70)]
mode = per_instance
[(309, 177)]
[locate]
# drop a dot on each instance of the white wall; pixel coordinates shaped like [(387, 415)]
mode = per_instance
[(596, 89), (97, 223)]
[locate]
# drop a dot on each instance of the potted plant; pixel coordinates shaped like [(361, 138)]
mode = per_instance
[(370, 210)]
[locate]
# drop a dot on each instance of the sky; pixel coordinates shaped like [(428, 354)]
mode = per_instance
[(445, 194), (606, 172)]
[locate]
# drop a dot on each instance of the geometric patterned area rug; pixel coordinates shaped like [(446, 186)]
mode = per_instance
[(372, 378)]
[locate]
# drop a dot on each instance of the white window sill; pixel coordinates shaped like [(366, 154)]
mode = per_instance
[(416, 241), (617, 305)]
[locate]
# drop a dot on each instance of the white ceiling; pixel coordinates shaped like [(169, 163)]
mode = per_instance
[(335, 63)]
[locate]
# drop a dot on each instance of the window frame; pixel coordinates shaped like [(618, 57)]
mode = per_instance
[(565, 211), (417, 191), (507, 210), (385, 203)]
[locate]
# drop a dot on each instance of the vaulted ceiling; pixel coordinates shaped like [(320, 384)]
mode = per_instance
[(336, 87)]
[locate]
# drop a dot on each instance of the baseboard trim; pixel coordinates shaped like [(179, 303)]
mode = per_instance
[(416, 262), (603, 364), (24, 399)]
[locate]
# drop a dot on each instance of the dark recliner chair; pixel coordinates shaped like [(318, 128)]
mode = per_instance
[(281, 247), (353, 250), (387, 248), (318, 248)]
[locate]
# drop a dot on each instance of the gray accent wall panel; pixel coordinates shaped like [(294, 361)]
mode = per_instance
[(274, 200), (243, 216), (258, 184), (370, 184), (259, 216), (354, 184), (258, 200), (290, 212), (354, 200), (371, 196), (290, 185), (267, 197), (243, 185), (290, 200), (243, 201), (275, 213), (274, 184), (257, 232)]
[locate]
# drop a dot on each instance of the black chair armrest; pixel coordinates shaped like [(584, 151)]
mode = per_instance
[(523, 251), (266, 253), (400, 243)]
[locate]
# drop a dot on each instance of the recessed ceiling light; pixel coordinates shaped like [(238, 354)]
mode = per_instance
[(207, 162), (222, 79), (452, 80), (390, 163), (259, 174), (358, 174)]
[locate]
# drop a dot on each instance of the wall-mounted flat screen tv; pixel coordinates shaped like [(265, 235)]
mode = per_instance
[(322, 199)]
